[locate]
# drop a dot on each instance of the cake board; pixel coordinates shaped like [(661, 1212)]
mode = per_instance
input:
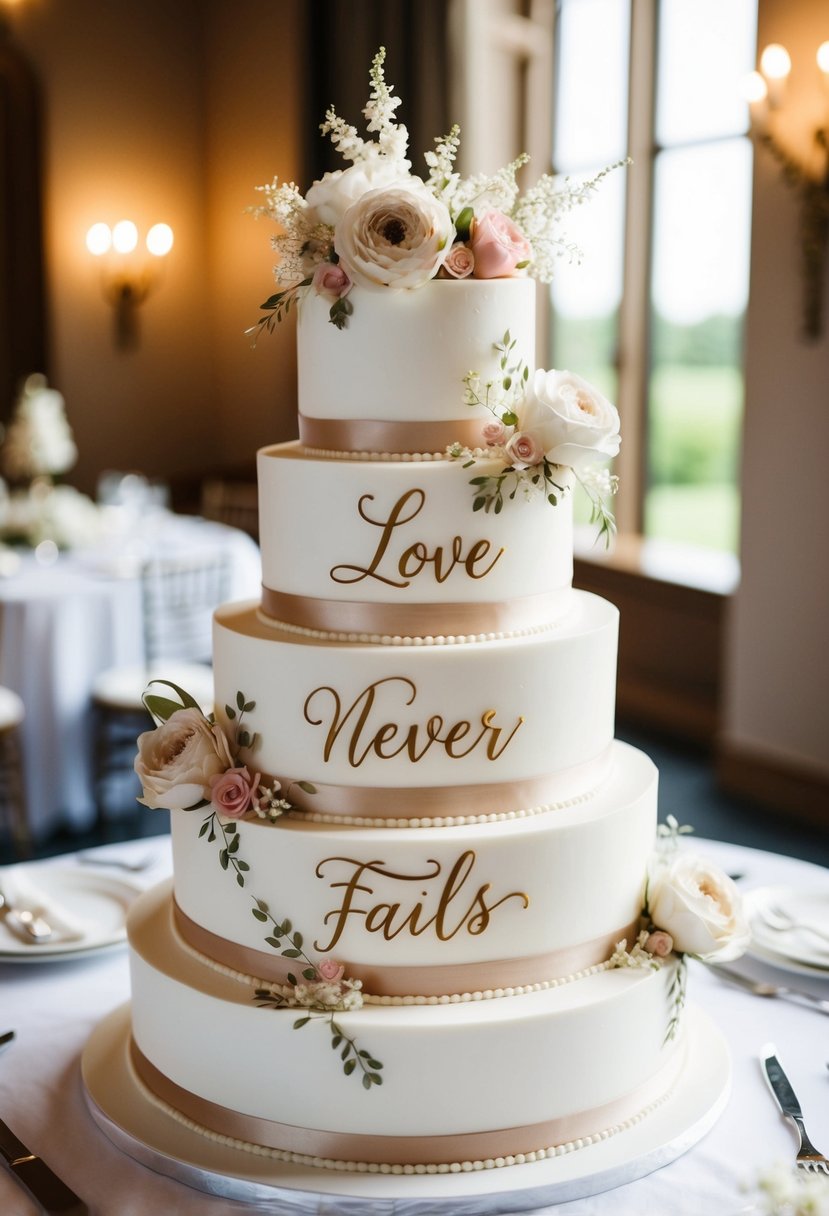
[(121, 1109)]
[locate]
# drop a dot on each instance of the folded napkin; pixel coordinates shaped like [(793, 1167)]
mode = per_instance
[(23, 891)]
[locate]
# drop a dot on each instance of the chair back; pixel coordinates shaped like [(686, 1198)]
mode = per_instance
[(179, 596), (235, 503)]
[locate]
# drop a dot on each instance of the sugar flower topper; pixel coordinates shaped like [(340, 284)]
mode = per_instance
[(381, 227)]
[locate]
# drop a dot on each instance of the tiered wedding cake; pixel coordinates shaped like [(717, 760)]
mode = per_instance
[(410, 835)]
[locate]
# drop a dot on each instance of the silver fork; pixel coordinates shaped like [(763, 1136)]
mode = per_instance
[(31, 926), (808, 1158)]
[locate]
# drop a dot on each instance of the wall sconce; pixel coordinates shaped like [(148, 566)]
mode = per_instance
[(766, 93), (126, 278)]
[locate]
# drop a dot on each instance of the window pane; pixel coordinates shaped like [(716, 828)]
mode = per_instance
[(700, 282), (591, 83), (706, 48)]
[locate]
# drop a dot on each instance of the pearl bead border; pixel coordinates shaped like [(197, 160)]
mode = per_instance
[(441, 821), (386, 639), (402, 457), (373, 1167)]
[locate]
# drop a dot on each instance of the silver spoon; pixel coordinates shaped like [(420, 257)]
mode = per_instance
[(781, 921), (31, 926)]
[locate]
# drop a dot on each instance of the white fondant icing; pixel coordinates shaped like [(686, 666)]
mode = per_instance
[(555, 691), (448, 1069), (404, 354), (531, 544), (582, 870)]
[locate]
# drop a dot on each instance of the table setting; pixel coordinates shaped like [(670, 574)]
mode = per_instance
[(61, 978)]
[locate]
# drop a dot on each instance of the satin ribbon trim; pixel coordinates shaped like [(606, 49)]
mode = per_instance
[(380, 435), (403, 1150), (536, 970), (447, 801), (413, 620)]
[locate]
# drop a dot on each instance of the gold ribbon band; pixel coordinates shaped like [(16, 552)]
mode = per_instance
[(380, 435), (440, 980), (403, 1150), (412, 620), (449, 801)]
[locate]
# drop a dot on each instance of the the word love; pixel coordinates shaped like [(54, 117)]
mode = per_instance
[(366, 727), (397, 568), (447, 903)]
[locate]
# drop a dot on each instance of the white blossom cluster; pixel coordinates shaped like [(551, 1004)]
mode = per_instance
[(786, 1191), (336, 996), (637, 956), (269, 803)]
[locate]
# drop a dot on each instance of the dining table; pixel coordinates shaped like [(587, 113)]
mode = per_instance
[(54, 1007), (65, 617)]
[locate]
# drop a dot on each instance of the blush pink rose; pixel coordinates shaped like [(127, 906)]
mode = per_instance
[(524, 450), (331, 280), (330, 970), (232, 792), (659, 943), (460, 261), (494, 434), (498, 246)]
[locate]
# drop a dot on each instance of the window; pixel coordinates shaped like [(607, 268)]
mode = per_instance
[(654, 313)]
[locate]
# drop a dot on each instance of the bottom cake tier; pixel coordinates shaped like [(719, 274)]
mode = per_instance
[(473, 1083)]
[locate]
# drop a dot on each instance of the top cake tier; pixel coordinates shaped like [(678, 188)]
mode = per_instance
[(391, 381)]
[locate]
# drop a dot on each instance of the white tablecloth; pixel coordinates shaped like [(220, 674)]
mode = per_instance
[(54, 1007), (63, 624)]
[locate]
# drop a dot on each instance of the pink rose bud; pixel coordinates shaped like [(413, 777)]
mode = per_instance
[(494, 434), (524, 450), (498, 246), (659, 943), (331, 280), (460, 261), (330, 970), (232, 792)]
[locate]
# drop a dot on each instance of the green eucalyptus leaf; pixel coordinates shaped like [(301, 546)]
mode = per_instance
[(366, 1081), (260, 916), (242, 865), (301, 1022), (240, 879), (160, 708), (187, 700), (230, 711), (349, 1066), (307, 787)]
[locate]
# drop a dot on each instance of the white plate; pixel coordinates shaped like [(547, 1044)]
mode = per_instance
[(138, 1127), (98, 903), (797, 950)]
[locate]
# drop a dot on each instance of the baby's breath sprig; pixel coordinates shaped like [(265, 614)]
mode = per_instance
[(599, 485)]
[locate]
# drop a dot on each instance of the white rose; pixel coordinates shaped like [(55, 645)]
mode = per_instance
[(333, 194), (700, 907), (574, 423), (176, 760), (395, 238)]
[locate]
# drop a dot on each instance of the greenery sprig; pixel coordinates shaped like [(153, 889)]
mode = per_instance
[(676, 994), (277, 307)]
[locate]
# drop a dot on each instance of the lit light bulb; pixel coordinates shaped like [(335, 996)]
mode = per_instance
[(160, 240), (98, 239), (124, 236), (754, 88), (775, 62), (823, 58)]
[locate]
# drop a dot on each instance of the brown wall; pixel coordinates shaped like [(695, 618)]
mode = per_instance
[(159, 111)]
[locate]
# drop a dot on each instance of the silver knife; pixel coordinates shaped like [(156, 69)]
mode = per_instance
[(53, 1195)]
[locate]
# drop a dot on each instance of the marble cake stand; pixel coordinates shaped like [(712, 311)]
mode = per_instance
[(140, 1129)]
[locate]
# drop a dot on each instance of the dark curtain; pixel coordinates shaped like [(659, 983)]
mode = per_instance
[(22, 296), (343, 37)]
